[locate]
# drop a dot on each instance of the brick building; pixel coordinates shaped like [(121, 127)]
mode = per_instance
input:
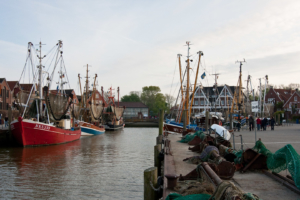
[(5, 95)]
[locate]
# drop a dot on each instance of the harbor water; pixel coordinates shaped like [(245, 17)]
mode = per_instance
[(107, 166)]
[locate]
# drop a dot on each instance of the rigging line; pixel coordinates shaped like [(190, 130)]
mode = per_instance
[(55, 65), (66, 72), (48, 57), (173, 77), (51, 62), (50, 50), (24, 67), (178, 92)]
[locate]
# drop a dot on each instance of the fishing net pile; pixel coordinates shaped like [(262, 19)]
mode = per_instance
[(119, 112), (57, 104), (96, 110), (206, 191), (205, 154), (282, 159), (190, 137), (189, 187), (76, 111), (32, 112)]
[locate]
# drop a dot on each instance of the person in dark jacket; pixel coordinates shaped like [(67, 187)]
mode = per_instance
[(251, 123), (272, 123), (262, 124), (265, 123)]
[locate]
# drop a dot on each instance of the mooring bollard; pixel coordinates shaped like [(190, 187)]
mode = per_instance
[(157, 163), (150, 182), (159, 139)]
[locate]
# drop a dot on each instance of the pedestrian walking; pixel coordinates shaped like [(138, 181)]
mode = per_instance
[(251, 123), (258, 123), (265, 123), (272, 123), (6, 121)]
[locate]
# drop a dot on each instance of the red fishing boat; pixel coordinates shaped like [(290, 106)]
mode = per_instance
[(44, 120), (29, 133)]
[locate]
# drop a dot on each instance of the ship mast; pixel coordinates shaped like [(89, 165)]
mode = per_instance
[(40, 67), (86, 85), (188, 85)]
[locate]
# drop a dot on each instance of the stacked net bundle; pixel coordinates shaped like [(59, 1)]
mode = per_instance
[(190, 137), (284, 158)]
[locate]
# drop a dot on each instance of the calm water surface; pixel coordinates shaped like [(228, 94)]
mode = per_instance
[(108, 166)]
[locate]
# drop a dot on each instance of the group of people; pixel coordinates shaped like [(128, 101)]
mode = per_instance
[(261, 123)]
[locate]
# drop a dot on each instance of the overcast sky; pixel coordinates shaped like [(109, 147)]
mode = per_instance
[(132, 44)]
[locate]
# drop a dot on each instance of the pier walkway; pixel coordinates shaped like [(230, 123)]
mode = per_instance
[(253, 182)]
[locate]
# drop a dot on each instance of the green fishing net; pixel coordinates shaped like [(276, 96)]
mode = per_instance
[(188, 197), (190, 137), (282, 159)]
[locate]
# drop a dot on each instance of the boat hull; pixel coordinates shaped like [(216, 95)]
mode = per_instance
[(90, 129), (175, 128), (32, 133), (110, 127)]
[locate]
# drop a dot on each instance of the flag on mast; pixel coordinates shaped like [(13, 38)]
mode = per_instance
[(203, 75)]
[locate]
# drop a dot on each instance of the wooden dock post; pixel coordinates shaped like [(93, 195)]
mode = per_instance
[(150, 175), (184, 120), (157, 163), (161, 121)]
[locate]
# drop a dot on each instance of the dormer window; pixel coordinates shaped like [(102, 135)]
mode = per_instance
[(295, 98)]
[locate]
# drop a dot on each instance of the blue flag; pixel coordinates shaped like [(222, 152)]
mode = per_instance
[(203, 75)]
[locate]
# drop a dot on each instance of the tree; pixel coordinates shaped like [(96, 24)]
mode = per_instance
[(132, 97), (152, 97), (169, 100)]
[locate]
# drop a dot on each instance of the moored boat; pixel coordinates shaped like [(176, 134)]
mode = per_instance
[(186, 94), (44, 120), (113, 114), (90, 129)]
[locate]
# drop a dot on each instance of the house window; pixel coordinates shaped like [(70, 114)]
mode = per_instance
[(222, 102), (97, 96), (202, 102), (290, 105), (7, 93), (271, 100), (295, 98), (196, 103)]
